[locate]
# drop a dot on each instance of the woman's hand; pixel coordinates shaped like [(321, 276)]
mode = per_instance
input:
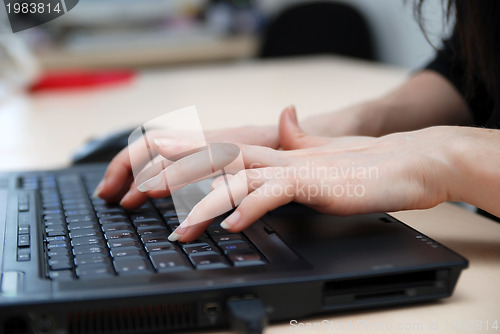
[(118, 184), (342, 176)]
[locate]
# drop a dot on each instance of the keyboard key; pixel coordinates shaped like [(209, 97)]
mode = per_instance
[(169, 214), (108, 213), (59, 238), (227, 237), (208, 261), (23, 202), (84, 259), (52, 211), (61, 275), (79, 212), (60, 264), (132, 265), (81, 241), (130, 242), (143, 216), (148, 222), (161, 246), (54, 217), (56, 232), (24, 255), (199, 248), (90, 249), (154, 238), (57, 244), (119, 235), (146, 207), (78, 206), (23, 240), (173, 225), (234, 245), (164, 205), (202, 239), (126, 251), (152, 229), (62, 257), (85, 232), (82, 218), (245, 258), (98, 270), (117, 227), (55, 252), (215, 230), (168, 261), (51, 205), (82, 225), (73, 201), (114, 219), (55, 222)]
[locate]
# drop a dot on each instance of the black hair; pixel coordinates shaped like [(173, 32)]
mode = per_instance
[(477, 25)]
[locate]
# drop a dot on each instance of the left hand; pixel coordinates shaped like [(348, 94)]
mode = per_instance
[(341, 176)]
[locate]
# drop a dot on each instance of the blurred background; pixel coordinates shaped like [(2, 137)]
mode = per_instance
[(148, 33), (113, 58)]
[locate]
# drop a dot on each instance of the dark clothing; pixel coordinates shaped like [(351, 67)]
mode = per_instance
[(480, 102), (485, 111)]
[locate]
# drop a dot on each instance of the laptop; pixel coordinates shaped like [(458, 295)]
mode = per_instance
[(73, 264)]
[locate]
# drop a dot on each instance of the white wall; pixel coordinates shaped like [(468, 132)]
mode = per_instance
[(398, 38)]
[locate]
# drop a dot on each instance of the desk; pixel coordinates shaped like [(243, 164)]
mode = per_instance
[(151, 52), (41, 131)]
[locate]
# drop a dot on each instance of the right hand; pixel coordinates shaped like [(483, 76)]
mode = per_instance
[(118, 183)]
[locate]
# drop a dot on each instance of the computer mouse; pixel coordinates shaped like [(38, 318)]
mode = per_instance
[(102, 149)]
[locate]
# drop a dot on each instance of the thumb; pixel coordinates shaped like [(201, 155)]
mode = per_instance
[(292, 137)]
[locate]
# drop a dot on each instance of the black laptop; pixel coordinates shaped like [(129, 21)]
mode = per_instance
[(74, 264)]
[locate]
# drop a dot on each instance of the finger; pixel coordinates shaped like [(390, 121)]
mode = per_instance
[(133, 198), (132, 158), (117, 197), (269, 196), (291, 135), (114, 181), (206, 163), (152, 170), (260, 157), (219, 181), (176, 148), (221, 200)]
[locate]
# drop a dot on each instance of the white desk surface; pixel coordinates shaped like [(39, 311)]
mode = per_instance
[(42, 130)]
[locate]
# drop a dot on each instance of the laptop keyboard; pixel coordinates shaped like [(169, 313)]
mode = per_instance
[(87, 238)]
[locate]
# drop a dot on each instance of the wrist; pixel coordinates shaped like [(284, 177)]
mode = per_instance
[(474, 155), (446, 148)]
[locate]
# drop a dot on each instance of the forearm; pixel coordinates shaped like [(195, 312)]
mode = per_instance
[(426, 99)]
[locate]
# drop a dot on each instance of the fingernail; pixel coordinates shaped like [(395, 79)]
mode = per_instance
[(164, 141), (293, 113), (217, 182), (178, 232), (150, 184), (98, 189), (231, 220), (125, 198), (173, 236)]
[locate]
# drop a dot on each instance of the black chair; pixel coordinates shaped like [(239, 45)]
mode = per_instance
[(318, 28)]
